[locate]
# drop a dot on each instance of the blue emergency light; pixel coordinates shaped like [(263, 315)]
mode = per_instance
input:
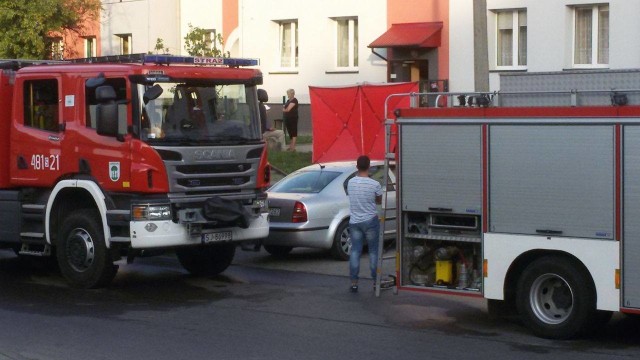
[(169, 59), (199, 60)]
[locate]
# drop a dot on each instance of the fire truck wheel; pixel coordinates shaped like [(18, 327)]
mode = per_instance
[(278, 251), (82, 254), (341, 247), (206, 260), (556, 298)]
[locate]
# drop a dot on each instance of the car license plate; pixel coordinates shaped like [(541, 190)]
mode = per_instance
[(216, 236), (274, 211)]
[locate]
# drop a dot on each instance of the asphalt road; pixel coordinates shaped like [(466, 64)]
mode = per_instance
[(263, 308)]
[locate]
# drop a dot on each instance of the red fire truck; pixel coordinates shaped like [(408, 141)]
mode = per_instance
[(109, 157), (524, 201)]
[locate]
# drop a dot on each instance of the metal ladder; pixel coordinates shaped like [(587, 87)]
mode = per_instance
[(391, 281)]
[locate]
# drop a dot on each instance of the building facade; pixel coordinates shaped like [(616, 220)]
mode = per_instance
[(545, 36), (329, 43), (336, 43), (299, 43)]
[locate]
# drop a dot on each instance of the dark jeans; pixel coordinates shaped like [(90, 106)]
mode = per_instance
[(370, 231)]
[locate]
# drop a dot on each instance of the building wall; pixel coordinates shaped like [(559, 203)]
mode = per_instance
[(408, 11), (317, 42), (230, 18), (74, 44), (316, 47), (549, 36), (146, 20), (461, 46), (205, 14)]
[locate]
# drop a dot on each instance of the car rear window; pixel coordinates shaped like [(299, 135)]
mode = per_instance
[(305, 182)]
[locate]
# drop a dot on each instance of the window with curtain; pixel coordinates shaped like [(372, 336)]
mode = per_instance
[(511, 42), (289, 44), (347, 42), (522, 38), (591, 35)]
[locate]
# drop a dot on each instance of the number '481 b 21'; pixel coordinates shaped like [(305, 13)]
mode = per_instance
[(45, 162)]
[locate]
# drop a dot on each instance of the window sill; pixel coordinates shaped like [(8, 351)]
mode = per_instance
[(509, 69), (292, 71), (589, 66), (343, 71)]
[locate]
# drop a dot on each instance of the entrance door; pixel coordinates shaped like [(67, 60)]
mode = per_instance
[(409, 70), (412, 71)]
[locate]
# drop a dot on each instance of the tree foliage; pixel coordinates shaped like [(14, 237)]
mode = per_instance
[(27, 26), (202, 42), (160, 47)]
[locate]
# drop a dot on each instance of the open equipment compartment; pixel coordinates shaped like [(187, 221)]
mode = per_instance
[(440, 217)]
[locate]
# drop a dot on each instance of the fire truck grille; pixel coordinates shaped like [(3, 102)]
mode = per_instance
[(221, 181), (205, 170), (213, 168)]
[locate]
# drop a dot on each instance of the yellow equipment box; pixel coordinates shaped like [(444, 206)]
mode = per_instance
[(444, 274)]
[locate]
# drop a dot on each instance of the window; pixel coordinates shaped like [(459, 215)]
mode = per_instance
[(89, 47), (591, 36), (125, 43), (289, 44), (41, 104), (511, 38), (305, 182), (210, 40), (347, 42), (57, 48), (377, 173)]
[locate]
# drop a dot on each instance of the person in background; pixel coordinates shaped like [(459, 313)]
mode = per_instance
[(364, 193), (274, 137), (290, 115)]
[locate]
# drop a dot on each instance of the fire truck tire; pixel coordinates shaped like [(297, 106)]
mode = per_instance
[(82, 254), (556, 298), (341, 248), (206, 260), (278, 251)]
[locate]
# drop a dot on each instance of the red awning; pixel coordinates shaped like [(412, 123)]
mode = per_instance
[(419, 35)]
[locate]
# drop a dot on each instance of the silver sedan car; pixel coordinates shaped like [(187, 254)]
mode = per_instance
[(310, 208)]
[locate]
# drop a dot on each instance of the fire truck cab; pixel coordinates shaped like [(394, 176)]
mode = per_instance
[(121, 156)]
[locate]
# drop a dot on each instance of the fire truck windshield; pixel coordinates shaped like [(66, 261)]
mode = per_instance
[(185, 114)]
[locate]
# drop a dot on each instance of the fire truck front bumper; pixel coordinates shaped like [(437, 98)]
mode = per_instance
[(166, 233)]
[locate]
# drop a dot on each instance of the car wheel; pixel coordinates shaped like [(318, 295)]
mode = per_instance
[(278, 251), (341, 248), (82, 254), (206, 260)]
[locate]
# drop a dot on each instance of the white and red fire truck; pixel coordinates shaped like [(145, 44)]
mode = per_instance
[(121, 156), (529, 203)]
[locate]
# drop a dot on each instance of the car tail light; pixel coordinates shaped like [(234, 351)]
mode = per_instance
[(299, 213)]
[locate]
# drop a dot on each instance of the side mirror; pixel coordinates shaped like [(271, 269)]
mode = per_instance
[(152, 93)]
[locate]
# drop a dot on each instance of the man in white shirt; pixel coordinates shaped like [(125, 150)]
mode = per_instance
[(364, 194)]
